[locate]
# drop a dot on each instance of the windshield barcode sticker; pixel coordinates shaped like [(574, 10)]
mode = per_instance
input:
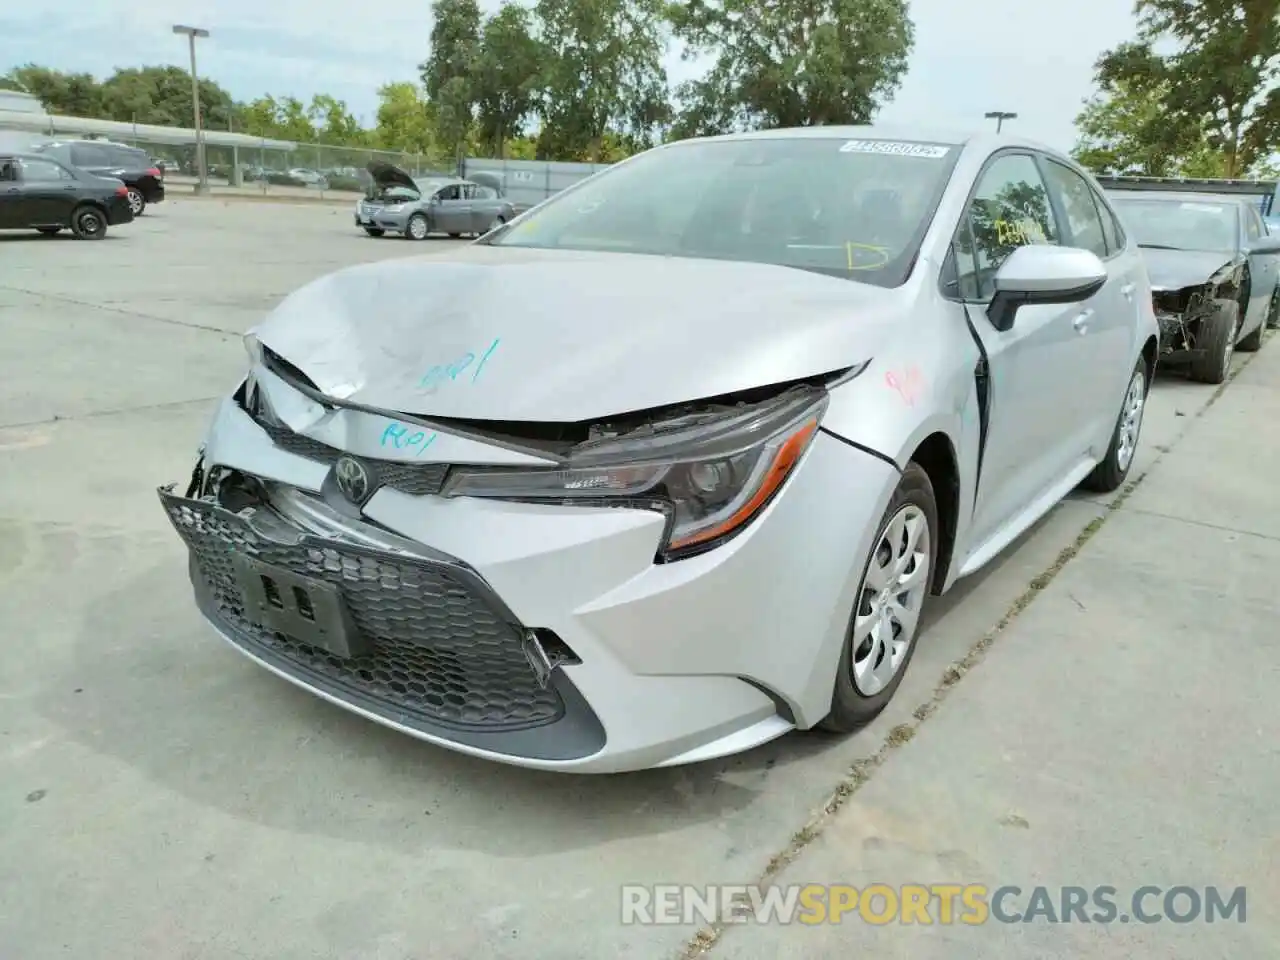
[(896, 148)]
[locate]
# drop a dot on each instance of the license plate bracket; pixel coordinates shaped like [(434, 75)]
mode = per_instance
[(307, 609)]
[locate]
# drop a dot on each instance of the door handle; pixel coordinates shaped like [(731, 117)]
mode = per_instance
[(1127, 290), (1081, 322)]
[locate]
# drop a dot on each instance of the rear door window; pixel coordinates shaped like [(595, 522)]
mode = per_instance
[(89, 155)]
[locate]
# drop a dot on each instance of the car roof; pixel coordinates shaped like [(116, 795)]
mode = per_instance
[(978, 139)]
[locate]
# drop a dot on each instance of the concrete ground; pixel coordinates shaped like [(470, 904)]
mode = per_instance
[(164, 798)]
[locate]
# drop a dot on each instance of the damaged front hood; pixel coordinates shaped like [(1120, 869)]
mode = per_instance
[(1175, 269), (496, 333)]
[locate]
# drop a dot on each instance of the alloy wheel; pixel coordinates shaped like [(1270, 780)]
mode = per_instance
[(1135, 401), (418, 228), (889, 603), (135, 202)]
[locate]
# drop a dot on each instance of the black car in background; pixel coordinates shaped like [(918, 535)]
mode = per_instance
[(38, 193), (128, 164)]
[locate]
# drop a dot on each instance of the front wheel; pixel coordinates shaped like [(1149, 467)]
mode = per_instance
[(374, 231), (1112, 470), (137, 202), (88, 223), (1273, 312), (880, 640), (417, 227), (1216, 339)]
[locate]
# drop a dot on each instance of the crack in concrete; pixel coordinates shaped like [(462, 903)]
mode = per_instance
[(1204, 523), (137, 315), (109, 413), (705, 940)]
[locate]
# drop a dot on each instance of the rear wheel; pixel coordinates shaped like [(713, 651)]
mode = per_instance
[(1216, 338), (417, 228), (137, 202), (1273, 313), (1111, 472), (49, 231), (880, 640), (374, 231), (88, 223)]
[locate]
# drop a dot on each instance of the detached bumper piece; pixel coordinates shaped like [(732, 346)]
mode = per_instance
[(420, 645)]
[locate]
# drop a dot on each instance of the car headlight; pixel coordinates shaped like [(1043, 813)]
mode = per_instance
[(710, 474)]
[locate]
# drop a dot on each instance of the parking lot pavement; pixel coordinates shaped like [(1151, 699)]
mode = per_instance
[(165, 798)]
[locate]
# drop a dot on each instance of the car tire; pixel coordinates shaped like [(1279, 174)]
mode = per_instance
[(49, 231), (417, 228), (88, 222), (1217, 339), (137, 202), (498, 221), (1273, 312), (1112, 470), (374, 231), (855, 702), (1253, 341)]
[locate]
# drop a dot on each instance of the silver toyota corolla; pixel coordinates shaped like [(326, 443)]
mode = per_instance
[(669, 465)]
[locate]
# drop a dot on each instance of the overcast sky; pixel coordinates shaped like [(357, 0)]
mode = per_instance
[(1032, 58)]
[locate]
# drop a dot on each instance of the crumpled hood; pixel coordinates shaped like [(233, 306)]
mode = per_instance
[(1175, 269), (500, 333)]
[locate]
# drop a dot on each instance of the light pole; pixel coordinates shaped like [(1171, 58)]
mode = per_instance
[(1000, 116), (191, 34)]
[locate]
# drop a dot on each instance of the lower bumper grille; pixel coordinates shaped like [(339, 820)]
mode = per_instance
[(433, 649)]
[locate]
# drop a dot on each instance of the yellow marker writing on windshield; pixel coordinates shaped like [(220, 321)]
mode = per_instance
[(881, 252)]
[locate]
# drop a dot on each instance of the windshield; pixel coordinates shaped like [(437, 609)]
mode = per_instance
[(1179, 224), (847, 208)]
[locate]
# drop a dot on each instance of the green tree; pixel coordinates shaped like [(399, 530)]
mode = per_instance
[(70, 94), (790, 62), (602, 71), (507, 76), (448, 74), (1220, 76), (1124, 129), (404, 120), (162, 96), (336, 126)]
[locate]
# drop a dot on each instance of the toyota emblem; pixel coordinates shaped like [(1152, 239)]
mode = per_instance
[(353, 479)]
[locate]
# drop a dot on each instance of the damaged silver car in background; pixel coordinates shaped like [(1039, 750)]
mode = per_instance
[(670, 465), (1214, 274)]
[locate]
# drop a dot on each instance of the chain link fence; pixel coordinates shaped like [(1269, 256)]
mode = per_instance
[(302, 169), (242, 164)]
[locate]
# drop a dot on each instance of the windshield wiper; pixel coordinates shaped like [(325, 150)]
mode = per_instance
[(1158, 246)]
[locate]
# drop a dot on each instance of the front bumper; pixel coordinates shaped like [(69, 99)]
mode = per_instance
[(390, 222), (667, 663)]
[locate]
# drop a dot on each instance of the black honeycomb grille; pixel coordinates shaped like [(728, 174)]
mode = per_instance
[(439, 652), (416, 479)]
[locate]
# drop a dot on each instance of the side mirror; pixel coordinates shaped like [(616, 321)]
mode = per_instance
[(1043, 274), (1268, 244)]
